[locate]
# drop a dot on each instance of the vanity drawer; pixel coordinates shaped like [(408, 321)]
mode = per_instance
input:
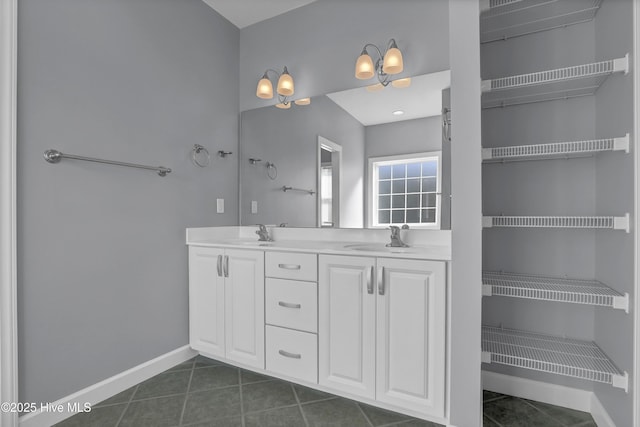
[(292, 304), (291, 265), (292, 353)]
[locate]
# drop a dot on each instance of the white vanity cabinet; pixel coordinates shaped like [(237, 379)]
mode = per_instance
[(226, 303), (381, 330)]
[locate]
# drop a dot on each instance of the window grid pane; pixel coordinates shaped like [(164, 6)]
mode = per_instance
[(407, 192)]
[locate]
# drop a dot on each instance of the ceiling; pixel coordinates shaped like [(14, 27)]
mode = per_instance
[(243, 13), (422, 99)]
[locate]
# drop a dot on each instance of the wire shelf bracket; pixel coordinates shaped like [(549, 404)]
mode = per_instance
[(560, 83), (575, 291), (554, 150), (555, 355), (573, 222), (504, 19)]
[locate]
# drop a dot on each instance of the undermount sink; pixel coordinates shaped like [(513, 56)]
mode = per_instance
[(381, 247)]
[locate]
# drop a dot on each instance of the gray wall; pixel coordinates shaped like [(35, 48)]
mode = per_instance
[(289, 139), (614, 262), (320, 43), (405, 137), (102, 264)]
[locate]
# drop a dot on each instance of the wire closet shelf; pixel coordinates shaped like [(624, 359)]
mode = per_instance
[(560, 83), (555, 355), (575, 291), (570, 222), (554, 150), (504, 19)]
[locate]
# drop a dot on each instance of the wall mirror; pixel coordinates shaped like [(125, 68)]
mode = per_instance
[(359, 158)]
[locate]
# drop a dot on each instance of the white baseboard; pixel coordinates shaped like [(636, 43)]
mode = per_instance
[(567, 397), (107, 388), (559, 395)]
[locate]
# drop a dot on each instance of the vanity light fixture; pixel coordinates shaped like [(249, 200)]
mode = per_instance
[(284, 88), (388, 63), (303, 101)]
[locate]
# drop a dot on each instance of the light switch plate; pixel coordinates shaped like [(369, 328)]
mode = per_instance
[(254, 206), (220, 205)]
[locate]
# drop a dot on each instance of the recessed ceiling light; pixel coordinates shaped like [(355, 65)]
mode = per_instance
[(398, 113)]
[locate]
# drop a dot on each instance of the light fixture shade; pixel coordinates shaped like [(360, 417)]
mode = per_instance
[(284, 106), (375, 88), (364, 67), (265, 88), (285, 84), (303, 101), (393, 63), (402, 83)]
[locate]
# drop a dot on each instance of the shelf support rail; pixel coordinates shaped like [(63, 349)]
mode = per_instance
[(54, 156)]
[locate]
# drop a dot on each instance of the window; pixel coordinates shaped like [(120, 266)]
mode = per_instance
[(405, 190)]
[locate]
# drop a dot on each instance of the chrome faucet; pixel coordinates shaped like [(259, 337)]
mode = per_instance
[(263, 233), (396, 241)]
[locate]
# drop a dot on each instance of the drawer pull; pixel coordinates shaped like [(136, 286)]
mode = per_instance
[(290, 355), (288, 304), (289, 266)]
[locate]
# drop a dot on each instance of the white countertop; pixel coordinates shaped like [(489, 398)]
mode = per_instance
[(225, 237)]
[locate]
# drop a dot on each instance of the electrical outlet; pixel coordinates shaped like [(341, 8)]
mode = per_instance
[(254, 206), (220, 205)]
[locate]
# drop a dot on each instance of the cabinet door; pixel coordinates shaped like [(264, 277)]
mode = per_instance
[(244, 318), (411, 308), (346, 324), (206, 300)]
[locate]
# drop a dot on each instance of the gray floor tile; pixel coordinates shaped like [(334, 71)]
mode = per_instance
[(222, 422), (159, 412), (203, 362), (213, 377), (414, 422), (267, 395), (282, 417), (514, 412), (379, 417), (488, 422), (490, 395), (184, 366), (248, 377), (334, 413), (106, 416), (122, 397), (306, 394), (164, 384), (206, 406), (565, 416)]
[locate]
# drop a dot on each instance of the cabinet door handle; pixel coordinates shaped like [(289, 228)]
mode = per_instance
[(288, 304), (381, 281), (370, 281), (226, 266), (289, 266), (290, 355), (219, 265)]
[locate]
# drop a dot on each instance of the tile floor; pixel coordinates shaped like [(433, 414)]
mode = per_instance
[(206, 393)]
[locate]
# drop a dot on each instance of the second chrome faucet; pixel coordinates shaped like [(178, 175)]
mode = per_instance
[(396, 241), (263, 234)]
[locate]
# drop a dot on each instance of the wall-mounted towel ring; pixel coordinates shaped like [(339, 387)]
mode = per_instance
[(200, 156), (272, 171)]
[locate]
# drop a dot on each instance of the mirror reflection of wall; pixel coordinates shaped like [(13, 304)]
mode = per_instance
[(366, 126), (329, 187)]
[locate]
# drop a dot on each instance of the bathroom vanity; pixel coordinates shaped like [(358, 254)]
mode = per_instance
[(334, 310)]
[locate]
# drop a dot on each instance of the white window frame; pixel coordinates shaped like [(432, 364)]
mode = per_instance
[(372, 192)]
